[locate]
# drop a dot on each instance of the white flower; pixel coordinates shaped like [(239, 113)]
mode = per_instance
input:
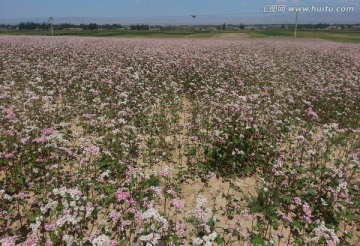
[(197, 241), (101, 240), (69, 240), (151, 238), (34, 227), (48, 206), (71, 219), (7, 197), (212, 236), (152, 213)]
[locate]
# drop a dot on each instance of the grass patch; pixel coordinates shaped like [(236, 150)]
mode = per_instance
[(352, 36), (115, 33)]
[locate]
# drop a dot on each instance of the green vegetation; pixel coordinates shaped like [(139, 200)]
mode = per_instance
[(347, 35), (352, 36), (116, 33)]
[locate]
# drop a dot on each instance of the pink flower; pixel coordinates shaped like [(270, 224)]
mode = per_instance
[(178, 204), (114, 215), (9, 155), (92, 150), (51, 227), (307, 220), (9, 133), (9, 113), (240, 82), (132, 202), (300, 138), (194, 138), (9, 241), (306, 209), (165, 173), (313, 114), (30, 241), (280, 160), (297, 200), (46, 131), (121, 195), (180, 229), (171, 192), (40, 140), (24, 140), (21, 196)]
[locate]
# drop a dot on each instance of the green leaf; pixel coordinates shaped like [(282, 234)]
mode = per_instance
[(110, 190), (272, 218), (123, 243), (19, 180), (211, 223), (11, 189), (192, 151), (219, 240), (349, 216), (298, 225), (298, 241), (357, 201), (311, 191), (258, 240), (33, 217), (286, 198)]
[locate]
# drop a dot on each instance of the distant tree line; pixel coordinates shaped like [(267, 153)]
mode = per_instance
[(90, 26), (310, 26), (44, 25), (5, 26), (95, 26), (319, 26), (33, 25), (230, 26), (139, 27)]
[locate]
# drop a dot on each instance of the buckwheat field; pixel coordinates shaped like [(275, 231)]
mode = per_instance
[(115, 141)]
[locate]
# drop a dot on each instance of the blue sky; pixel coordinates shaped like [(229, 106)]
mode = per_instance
[(22, 9)]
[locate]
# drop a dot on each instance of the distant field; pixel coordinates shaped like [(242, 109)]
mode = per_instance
[(117, 33), (351, 36)]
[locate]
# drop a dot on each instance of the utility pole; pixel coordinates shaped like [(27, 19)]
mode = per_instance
[(51, 19), (296, 23)]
